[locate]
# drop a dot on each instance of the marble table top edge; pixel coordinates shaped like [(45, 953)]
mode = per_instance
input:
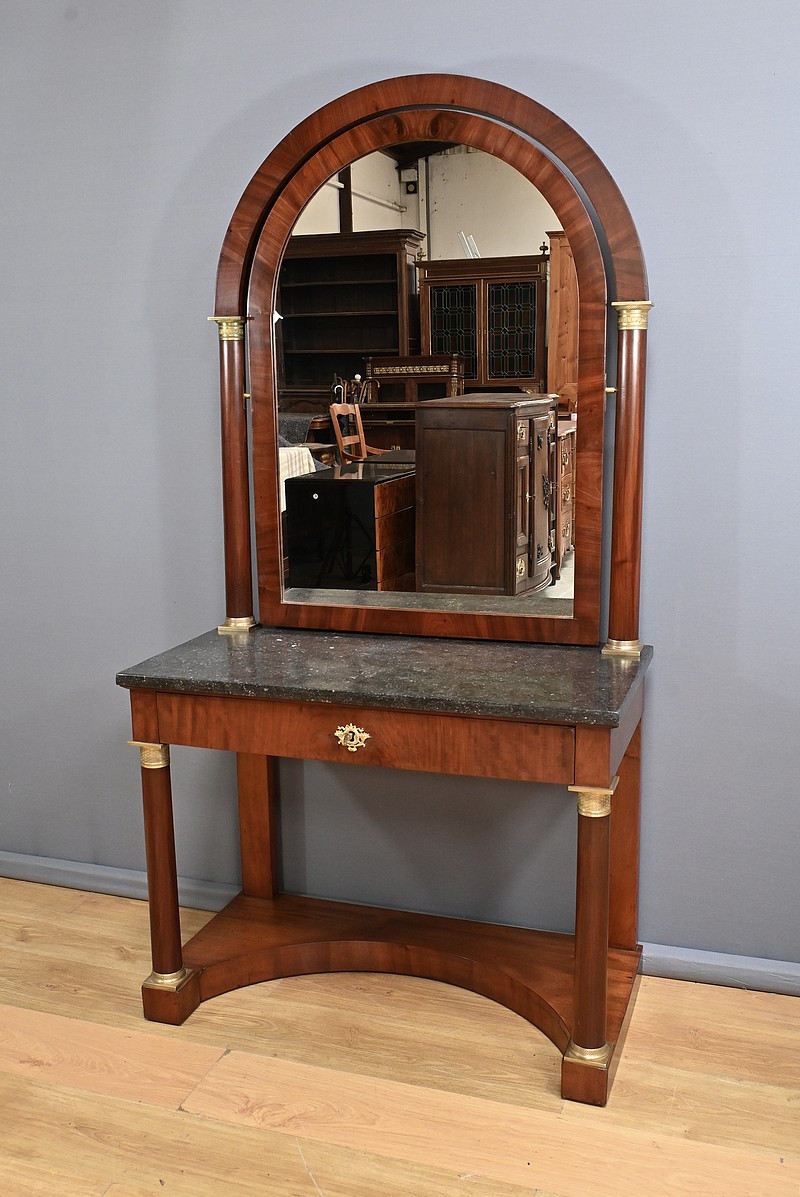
[(522, 682)]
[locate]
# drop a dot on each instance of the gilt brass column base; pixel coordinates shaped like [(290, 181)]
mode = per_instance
[(235, 624), (622, 648), (171, 981), (171, 997), (594, 1057), (586, 1073)]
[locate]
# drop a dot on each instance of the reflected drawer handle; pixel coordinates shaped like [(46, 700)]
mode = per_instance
[(565, 494), (565, 457), (351, 737)]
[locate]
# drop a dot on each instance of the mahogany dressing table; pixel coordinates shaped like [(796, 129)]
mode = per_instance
[(415, 682)]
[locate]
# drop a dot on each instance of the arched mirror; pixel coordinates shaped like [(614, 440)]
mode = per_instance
[(385, 297), (439, 253)]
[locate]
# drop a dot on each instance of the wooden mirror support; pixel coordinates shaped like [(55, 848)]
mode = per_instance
[(489, 695)]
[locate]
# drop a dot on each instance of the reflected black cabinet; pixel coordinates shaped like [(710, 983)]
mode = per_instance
[(352, 527), (492, 311), (485, 494)]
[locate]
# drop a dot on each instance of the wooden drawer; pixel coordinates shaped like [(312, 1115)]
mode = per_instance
[(565, 527), (463, 745), (391, 529), (394, 561), (394, 494)]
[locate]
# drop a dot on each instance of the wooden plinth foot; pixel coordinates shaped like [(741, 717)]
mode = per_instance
[(588, 1083), (173, 1002)]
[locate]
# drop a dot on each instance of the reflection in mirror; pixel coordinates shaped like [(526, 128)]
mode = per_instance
[(428, 292)]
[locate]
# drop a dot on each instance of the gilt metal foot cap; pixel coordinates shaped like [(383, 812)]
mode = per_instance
[(595, 1057), (172, 981), (622, 648), (235, 624)]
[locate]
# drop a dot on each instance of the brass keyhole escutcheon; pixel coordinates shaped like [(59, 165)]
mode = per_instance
[(351, 737)]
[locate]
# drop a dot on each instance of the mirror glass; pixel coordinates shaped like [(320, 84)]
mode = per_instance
[(420, 284)]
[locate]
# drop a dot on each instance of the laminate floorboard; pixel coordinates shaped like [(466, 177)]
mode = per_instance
[(362, 1085)]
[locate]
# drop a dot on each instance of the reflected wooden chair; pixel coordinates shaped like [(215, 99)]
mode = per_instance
[(352, 446)]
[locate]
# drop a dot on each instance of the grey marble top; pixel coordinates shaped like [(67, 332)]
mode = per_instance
[(535, 682)]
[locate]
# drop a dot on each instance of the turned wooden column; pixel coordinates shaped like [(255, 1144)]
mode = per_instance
[(159, 842), (590, 988), (626, 541), (171, 992), (235, 477)]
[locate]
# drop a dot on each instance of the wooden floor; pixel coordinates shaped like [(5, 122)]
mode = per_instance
[(363, 1085)]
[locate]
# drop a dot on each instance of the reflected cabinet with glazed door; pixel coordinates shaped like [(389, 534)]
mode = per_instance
[(493, 312), (422, 675)]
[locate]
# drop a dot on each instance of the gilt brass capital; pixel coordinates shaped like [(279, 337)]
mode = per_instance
[(594, 802), (231, 328), (632, 313), (235, 624), (153, 756), (622, 648), (595, 1057)]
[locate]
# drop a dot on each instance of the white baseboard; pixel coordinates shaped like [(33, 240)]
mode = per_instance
[(717, 968), (658, 960), (103, 879)]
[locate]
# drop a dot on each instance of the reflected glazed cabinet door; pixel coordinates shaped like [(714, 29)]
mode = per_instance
[(485, 494), (492, 311)]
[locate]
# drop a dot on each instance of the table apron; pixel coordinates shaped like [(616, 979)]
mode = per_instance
[(464, 745)]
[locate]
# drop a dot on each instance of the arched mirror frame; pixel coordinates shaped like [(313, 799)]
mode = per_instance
[(609, 266)]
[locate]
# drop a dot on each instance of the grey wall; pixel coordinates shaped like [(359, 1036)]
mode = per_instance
[(128, 133)]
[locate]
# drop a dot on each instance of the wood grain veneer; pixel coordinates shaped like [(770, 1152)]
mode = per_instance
[(397, 739), (253, 940)]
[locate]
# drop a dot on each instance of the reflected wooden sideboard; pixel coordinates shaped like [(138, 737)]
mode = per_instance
[(485, 483)]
